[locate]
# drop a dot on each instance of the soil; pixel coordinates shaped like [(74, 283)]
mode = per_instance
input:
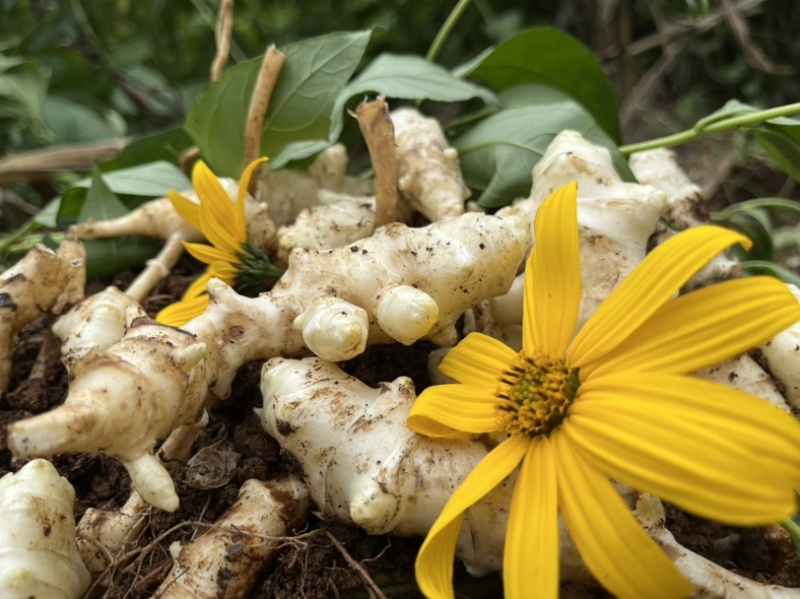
[(315, 566)]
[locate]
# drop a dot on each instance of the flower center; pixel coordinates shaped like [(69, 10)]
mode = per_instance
[(538, 390)]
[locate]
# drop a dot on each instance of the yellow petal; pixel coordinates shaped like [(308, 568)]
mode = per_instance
[(244, 184), (186, 208), (208, 254), (434, 565), (441, 410), (553, 275), (217, 234), (651, 284), (704, 328), (179, 313), (217, 203), (224, 271), (713, 451), (198, 287), (478, 360), (612, 544), (530, 557)]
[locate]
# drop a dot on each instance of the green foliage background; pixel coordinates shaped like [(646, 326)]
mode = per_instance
[(132, 66), (77, 71)]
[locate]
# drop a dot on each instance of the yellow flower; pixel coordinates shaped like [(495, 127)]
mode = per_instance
[(612, 402), (223, 223)]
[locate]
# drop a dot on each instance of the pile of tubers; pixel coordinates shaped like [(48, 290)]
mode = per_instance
[(141, 391)]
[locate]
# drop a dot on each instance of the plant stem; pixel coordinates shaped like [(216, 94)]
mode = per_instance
[(794, 531), (701, 129), (446, 28)]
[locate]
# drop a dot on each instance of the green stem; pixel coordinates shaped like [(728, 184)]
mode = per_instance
[(794, 531), (446, 28), (716, 126)]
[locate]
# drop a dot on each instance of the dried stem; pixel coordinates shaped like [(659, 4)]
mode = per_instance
[(187, 158), (223, 37), (45, 163), (378, 131), (259, 102), (365, 577)]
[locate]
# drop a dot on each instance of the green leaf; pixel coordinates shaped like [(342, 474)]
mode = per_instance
[(105, 257), (69, 206), (552, 57), (498, 154), (72, 122), (300, 109), (782, 141), (101, 202), (755, 224), (409, 78), (750, 205), (23, 86), (166, 146), (731, 109), (776, 270), (153, 179)]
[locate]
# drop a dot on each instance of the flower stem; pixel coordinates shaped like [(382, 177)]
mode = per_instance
[(793, 528), (710, 125), (446, 28)]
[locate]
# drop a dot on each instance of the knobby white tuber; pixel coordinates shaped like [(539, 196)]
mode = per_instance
[(685, 205), (781, 355), (440, 271), (159, 219), (334, 302), (155, 379), (744, 373), (616, 218), (288, 191), (685, 208), (428, 173), (38, 553), (121, 401), (711, 581), (363, 465), (225, 561), (338, 220), (43, 281), (105, 536), (97, 322), (423, 166)]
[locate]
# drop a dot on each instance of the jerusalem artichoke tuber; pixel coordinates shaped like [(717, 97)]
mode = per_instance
[(337, 221), (163, 374), (43, 281), (225, 561), (428, 173), (363, 465), (121, 400), (615, 218), (38, 551)]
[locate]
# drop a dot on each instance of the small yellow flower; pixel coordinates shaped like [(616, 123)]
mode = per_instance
[(223, 223), (613, 402)]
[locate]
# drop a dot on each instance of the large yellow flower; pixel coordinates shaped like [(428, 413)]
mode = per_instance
[(223, 223), (612, 402)]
